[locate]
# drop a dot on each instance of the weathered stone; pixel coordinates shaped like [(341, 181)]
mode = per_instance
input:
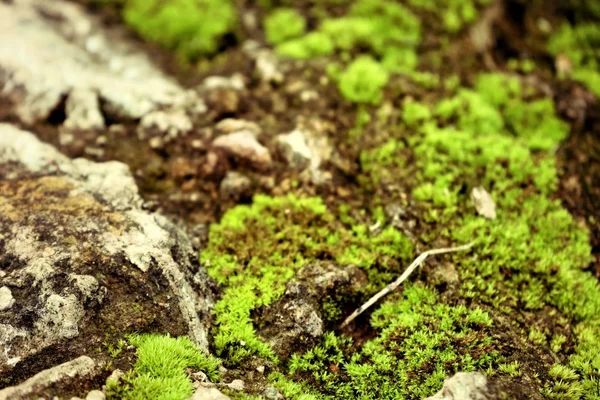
[(271, 393), (204, 393), (464, 386), (50, 50), (166, 125), (83, 111), (6, 298), (235, 82), (244, 146), (82, 256), (234, 185), (230, 125), (95, 395), (267, 66), (295, 321), (79, 367), (483, 203), (307, 148), (294, 149)]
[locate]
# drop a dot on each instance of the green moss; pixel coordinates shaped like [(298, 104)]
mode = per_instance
[(284, 24), (527, 263), (416, 349), (580, 43), (415, 113), (511, 369), (454, 14), (385, 28), (379, 164), (193, 28), (160, 369), (314, 44), (255, 250), (363, 81), (496, 138)]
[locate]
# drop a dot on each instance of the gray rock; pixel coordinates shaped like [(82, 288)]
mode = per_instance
[(95, 395), (271, 393), (6, 298), (79, 367), (235, 82), (294, 149), (49, 51), (234, 185), (244, 146), (294, 321), (165, 125), (483, 203), (204, 393), (230, 125), (83, 111), (464, 386), (86, 258)]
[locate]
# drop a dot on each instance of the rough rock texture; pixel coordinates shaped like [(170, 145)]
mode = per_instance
[(82, 260), (483, 203), (204, 393), (295, 320), (51, 51), (79, 367), (464, 386), (244, 146)]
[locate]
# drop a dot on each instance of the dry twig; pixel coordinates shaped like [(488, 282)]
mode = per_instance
[(392, 286)]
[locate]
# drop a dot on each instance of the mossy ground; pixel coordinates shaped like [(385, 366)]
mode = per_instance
[(419, 122)]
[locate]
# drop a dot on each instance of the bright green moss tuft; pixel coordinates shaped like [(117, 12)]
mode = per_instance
[(160, 369), (580, 43), (314, 44), (454, 14), (193, 28), (419, 345), (255, 250), (284, 24), (415, 113), (387, 30), (363, 81)]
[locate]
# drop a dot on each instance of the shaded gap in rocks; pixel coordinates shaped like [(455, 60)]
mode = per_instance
[(58, 114)]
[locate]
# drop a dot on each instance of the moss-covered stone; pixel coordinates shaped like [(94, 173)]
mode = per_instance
[(255, 250)]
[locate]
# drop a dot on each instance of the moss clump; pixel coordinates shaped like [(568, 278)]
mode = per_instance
[(363, 81), (383, 27), (415, 113), (495, 140), (314, 44), (454, 14), (192, 28), (419, 345), (255, 250), (580, 43), (284, 24), (160, 369), (526, 265)]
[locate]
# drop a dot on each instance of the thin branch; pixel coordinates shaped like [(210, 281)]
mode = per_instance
[(392, 286)]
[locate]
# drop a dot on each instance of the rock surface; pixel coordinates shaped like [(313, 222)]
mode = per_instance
[(244, 146), (483, 203), (79, 367), (296, 320), (464, 386), (50, 51), (82, 259)]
